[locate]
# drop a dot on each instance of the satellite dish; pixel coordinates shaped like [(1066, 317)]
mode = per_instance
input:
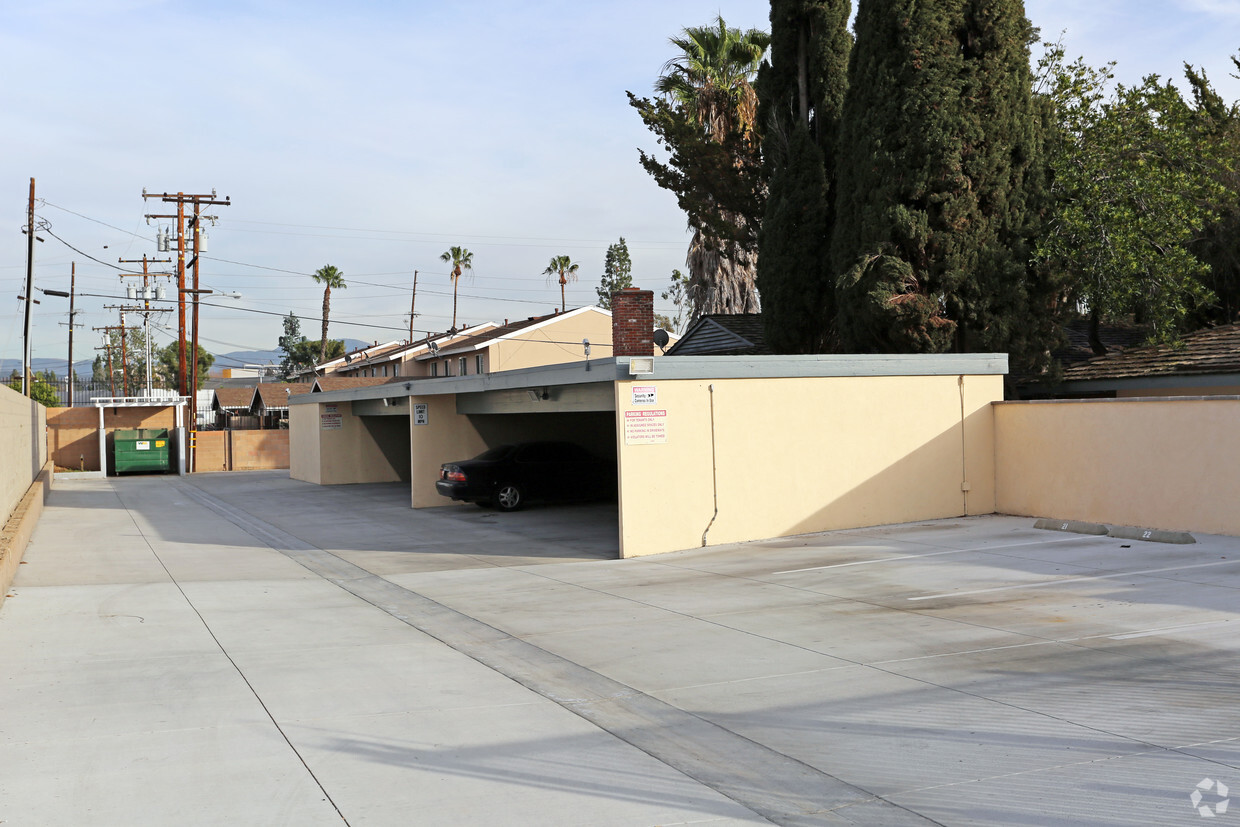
[(434, 348), (661, 338)]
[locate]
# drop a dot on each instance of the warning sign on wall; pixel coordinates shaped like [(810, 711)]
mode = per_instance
[(331, 422), (421, 413), (645, 427), (645, 395)]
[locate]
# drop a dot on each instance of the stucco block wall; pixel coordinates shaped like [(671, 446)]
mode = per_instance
[(1153, 463), (73, 437), (73, 433), (361, 449), (242, 450), (801, 455), (305, 461), (23, 449)]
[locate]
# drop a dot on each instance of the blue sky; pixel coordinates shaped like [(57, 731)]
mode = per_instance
[(375, 136)]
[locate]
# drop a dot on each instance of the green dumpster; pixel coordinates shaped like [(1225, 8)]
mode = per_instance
[(145, 449)]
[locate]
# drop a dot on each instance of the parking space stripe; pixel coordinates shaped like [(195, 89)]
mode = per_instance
[(1062, 580), (931, 554)]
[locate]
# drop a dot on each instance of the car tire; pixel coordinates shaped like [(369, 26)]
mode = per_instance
[(508, 497)]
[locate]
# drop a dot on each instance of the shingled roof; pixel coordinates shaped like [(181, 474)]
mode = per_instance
[(234, 398), (1214, 350), (274, 395), (723, 335), (335, 383)]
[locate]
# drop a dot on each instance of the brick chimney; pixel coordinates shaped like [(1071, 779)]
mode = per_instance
[(632, 322)]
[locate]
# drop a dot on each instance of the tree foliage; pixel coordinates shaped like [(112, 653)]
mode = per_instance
[(1219, 243), (1137, 176), (167, 365), (801, 92), (705, 117), (42, 387), (562, 270), (301, 354), (617, 273), (677, 295), (128, 362), (462, 261), (939, 182)]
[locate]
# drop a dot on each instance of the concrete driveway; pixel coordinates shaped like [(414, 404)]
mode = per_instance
[(247, 649)]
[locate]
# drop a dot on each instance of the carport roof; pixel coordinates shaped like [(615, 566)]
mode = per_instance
[(617, 369)]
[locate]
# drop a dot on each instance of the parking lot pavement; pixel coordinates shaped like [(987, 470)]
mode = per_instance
[(243, 648)]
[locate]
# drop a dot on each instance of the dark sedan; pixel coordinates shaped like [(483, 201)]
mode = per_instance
[(508, 475)]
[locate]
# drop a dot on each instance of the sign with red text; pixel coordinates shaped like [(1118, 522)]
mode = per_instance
[(646, 427)]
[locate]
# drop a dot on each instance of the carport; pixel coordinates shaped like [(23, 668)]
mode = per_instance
[(710, 450)]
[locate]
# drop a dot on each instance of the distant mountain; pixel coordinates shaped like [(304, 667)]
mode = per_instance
[(235, 359)]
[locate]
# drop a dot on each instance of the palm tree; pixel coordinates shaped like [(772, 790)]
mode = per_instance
[(461, 260), (567, 271), (711, 81), (329, 277)]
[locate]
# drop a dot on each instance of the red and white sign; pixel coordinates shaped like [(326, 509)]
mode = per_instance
[(645, 427)]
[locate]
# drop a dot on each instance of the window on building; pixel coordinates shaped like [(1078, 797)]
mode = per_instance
[(434, 368), (463, 365), (447, 367), (385, 370), (478, 364)]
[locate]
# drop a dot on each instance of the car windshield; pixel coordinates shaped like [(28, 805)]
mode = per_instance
[(498, 452)]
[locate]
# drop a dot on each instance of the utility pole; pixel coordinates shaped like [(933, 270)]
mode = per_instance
[(107, 346), (181, 199), (71, 324), (124, 355), (145, 310), (29, 291), (412, 299), (198, 201)]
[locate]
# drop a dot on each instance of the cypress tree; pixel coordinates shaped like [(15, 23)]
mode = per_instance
[(800, 94), (939, 181)]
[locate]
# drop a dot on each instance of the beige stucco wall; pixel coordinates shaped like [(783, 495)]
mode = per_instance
[(801, 455), (305, 460), (1169, 464), (552, 344), (23, 447), (446, 436), (362, 449)]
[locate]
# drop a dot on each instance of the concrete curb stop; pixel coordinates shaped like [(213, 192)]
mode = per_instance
[(1074, 526), (1151, 535)]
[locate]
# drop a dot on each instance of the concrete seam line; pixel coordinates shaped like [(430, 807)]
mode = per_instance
[(241, 674), (778, 787)]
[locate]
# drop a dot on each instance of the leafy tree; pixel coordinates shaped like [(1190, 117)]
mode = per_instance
[(1219, 243), (676, 294), (706, 119), (461, 261), (800, 92), (167, 365), (301, 354), (128, 361), (1135, 181), (940, 182), (617, 273), (329, 277), (41, 390)]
